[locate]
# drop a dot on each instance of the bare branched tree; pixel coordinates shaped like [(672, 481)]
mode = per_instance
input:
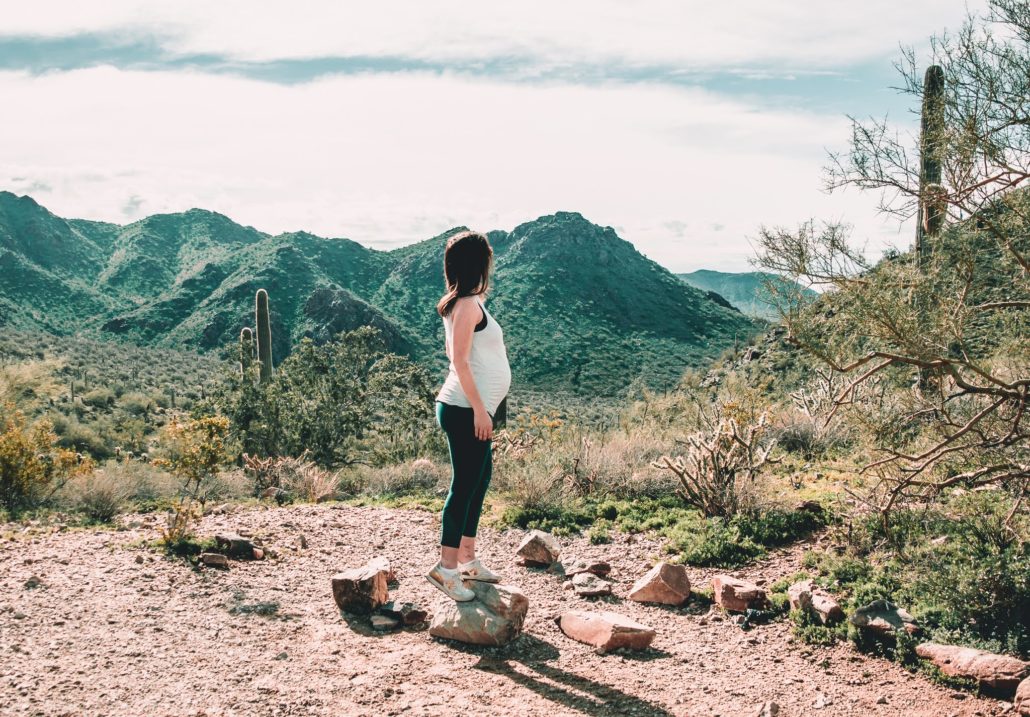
[(949, 330)]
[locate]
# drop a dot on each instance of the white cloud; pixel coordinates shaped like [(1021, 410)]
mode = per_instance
[(690, 34), (388, 159)]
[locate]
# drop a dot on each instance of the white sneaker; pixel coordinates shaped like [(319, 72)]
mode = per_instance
[(449, 582), (475, 570)]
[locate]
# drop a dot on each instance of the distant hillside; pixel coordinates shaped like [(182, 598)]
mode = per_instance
[(581, 308), (746, 291)]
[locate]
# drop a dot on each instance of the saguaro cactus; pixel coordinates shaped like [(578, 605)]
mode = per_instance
[(931, 193), (246, 348), (264, 334)]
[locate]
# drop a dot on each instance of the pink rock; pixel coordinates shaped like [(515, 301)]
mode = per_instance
[(589, 585), (665, 584), (574, 567), (1001, 672), (737, 595), (804, 595), (214, 560), (360, 590), (1022, 702), (800, 595), (606, 630)]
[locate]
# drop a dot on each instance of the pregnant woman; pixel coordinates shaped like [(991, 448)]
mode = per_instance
[(477, 382)]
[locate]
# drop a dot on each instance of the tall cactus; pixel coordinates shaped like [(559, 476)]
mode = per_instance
[(931, 193), (264, 334)]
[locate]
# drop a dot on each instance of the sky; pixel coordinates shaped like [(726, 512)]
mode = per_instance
[(685, 125)]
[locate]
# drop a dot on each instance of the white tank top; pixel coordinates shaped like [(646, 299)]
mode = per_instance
[(489, 361)]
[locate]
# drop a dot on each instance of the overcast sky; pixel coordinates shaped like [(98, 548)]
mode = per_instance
[(683, 124)]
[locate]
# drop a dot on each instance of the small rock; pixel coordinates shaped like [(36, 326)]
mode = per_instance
[(139, 559), (33, 582), (567, 585), (220, 509), (259, 554), (881, 700), (606, 631), (883, 617), (214, 560), (360, 590), (589, 585), (495, 617), (767, 709), (407, 613), (822, 701), (302, 541), (804, 596), (539, 549), (736, 595), (598, 567), (384, 623), (1000, 672), (235, 545), (665, 584), (271, 492)]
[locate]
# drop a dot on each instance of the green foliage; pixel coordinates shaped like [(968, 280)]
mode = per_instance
[(343, 401)]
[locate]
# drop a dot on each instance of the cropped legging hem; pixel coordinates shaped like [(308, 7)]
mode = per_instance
[(471, 467)]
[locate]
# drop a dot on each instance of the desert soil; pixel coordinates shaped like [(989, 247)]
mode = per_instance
[(116, 628)]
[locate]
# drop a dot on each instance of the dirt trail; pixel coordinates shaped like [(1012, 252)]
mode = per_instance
[(106, 634)]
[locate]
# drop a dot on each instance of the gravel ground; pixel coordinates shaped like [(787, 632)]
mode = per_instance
[(115, 628)]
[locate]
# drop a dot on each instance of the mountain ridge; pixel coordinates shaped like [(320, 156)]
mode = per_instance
[(582, 308)]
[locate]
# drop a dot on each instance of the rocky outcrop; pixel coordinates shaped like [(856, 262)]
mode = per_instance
[(539, 549), (736, 595), (495, 617), (606, 630), (883, 617), (361, 590), (998, 672), (1021, 704), (665, 584)]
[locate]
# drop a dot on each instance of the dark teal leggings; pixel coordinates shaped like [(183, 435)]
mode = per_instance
[(471, 467)]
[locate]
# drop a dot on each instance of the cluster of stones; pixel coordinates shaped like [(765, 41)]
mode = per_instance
[(233, 545), (365, 591)]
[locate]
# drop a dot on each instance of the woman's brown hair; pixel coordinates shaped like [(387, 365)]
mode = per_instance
[(467, 261)]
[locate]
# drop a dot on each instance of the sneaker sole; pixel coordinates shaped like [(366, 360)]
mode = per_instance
[(439, 586), (465, 576)]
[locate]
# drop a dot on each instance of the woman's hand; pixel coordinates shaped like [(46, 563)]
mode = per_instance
[(483, 424)]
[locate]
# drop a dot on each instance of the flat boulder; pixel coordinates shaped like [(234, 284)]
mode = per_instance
[(361, 590), (884, 618), (494, 617), (589, 585), (606, 630), (665, 584), (576, 566), (539, 549), (736, 595), (214, 560), (999, 672)]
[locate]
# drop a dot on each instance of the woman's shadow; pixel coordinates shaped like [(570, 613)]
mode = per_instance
[(533, 655)]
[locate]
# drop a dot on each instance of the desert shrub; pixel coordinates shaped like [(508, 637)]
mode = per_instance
[(32, 466), (411, 478), (136, 404), (99, 496), (101, 397)]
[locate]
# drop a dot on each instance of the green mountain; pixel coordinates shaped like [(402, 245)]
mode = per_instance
[(581, 308), (746, 291)]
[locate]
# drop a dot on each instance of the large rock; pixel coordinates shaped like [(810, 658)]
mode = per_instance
[(495, 617), (805, 596), (1000, 672), (361, 590), (589, 585), (539, 549), (606, 630), (736, 595), (884, 618), (664, 583), (1022, 701), (576, 566)]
